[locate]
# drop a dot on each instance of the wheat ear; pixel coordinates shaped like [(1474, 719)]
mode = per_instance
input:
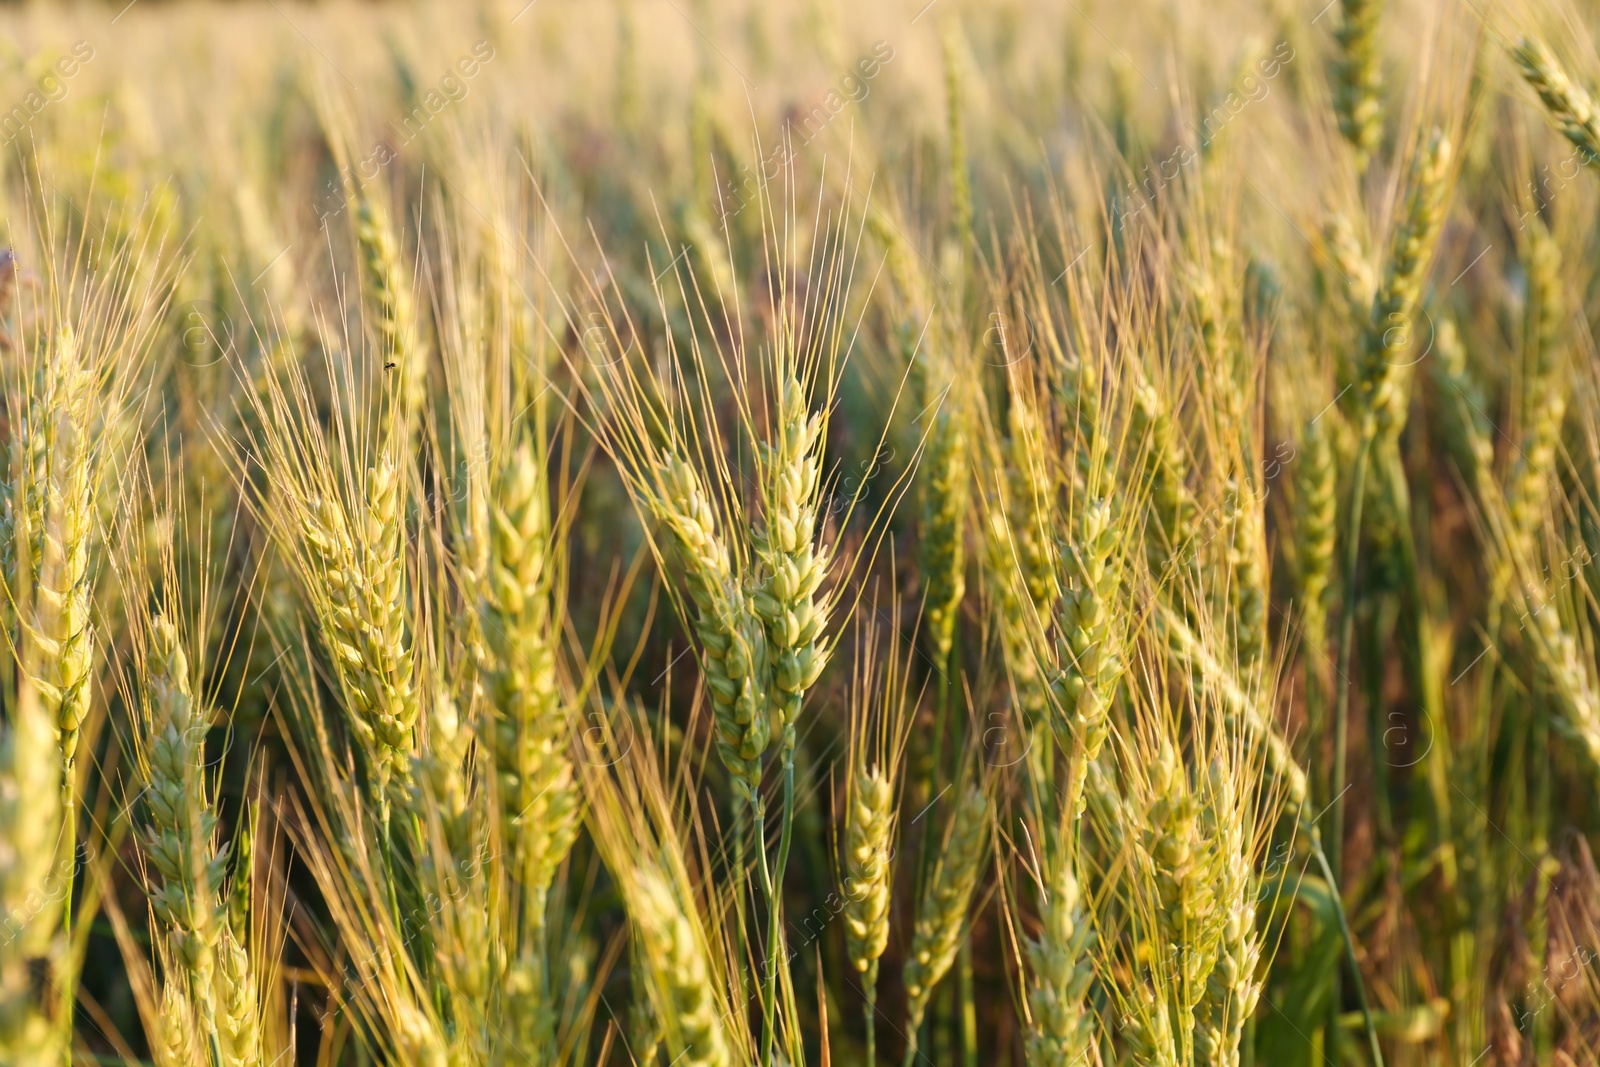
[(733, 642), (942, 910), (1357, 78), (536, 780), (389, 288), (794, 566), (538, 793), (361, 609), (1061, 1030), (1544, 399), (1233, 987), (55, 500), (181, 841), (1570, 105), (33, 875), (1379, 376), (1316, 505), (1090, 635), (679, 972), (942, 542)]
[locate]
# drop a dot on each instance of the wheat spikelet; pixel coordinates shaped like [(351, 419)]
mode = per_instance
[(942, 910), (1570, 105), (679, 972), (794, 566), (1357, 77)]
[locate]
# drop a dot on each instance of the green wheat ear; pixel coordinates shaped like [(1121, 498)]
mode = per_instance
[(1570, 105), (1315, 532), (1358, 76), (869, 835), (1062, 1030), (942, 910), (680, 972), (30, 828), (946, 481)]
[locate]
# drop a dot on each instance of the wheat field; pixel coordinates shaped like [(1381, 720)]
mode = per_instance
[(711, 533)]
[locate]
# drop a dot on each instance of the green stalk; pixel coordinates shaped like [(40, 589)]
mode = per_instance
[(775, 897), (871, 990), (1369, 1024), (969, 1009), (1341, 737)]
